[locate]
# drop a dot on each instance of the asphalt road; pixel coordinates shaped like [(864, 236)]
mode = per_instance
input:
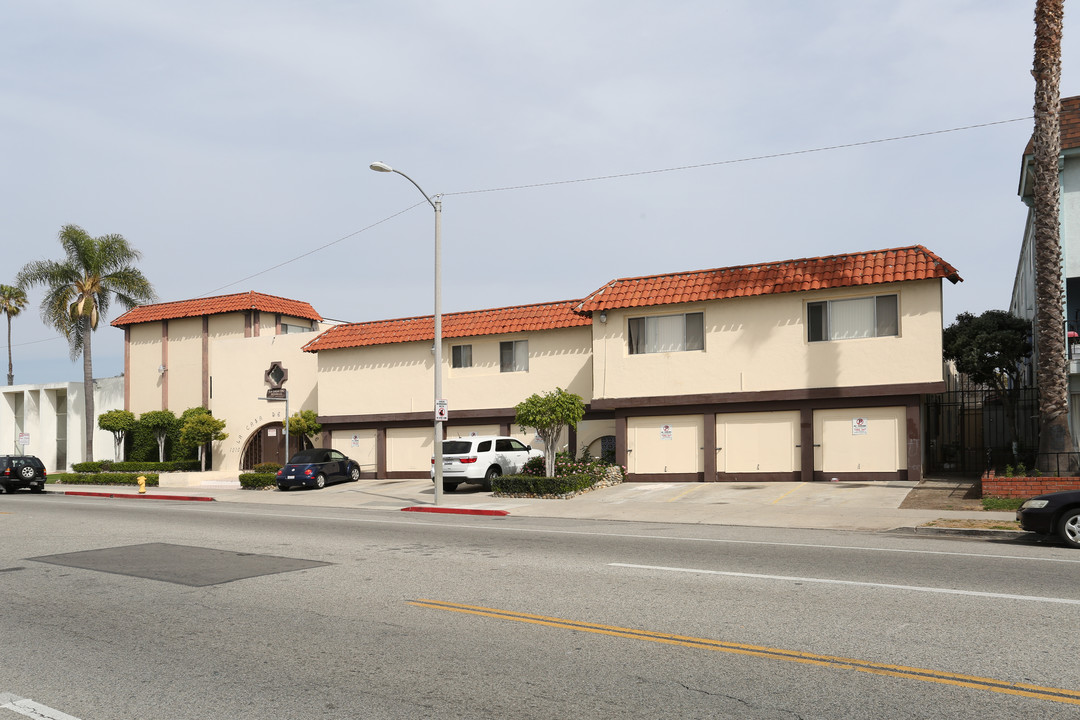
[(176, 610)]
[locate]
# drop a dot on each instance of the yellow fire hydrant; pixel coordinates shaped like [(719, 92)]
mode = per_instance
[(142, 484)]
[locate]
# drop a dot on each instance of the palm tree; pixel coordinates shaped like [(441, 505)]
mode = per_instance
[(12, 302), (78, 291), (1053, 380)]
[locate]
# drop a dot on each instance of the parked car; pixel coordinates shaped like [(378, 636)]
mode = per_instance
[(481, 459), (315, 468), (1053, 514), (21, 471)]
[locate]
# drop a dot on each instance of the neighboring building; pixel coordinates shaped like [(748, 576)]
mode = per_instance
[(216, 353), (804, 369), (49, 421), (1022, 303)]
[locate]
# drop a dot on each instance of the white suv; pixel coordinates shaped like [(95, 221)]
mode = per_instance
[(480, 459)]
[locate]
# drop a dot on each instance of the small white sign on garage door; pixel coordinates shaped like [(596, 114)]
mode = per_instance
[(860, 426)]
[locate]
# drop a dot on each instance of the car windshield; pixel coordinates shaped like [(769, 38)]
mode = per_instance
[(306, 456), (456, 447)]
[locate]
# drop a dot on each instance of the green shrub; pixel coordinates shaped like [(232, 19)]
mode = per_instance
[(267, 467), (137, 466), (255, 481), (565, 465), (539, 485), (88, 467), (105, 478)]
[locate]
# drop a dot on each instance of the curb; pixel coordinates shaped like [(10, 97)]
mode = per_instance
[(145, 496), (455, 511), (966, 532)]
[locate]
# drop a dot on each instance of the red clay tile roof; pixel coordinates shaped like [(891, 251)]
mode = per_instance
[(216, 306), (836, 271), (521, 318)]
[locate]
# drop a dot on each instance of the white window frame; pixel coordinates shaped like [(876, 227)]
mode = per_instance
[(650, 334), (519, 360), (853, 318)]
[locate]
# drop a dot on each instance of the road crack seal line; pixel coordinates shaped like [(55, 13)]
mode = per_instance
[(1037, 692)]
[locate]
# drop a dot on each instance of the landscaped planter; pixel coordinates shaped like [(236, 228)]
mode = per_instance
[(1024, 487)]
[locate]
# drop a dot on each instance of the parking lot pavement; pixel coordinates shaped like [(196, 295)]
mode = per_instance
[(822, 505)]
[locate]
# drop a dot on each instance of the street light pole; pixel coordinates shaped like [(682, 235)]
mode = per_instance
[(436, 205)]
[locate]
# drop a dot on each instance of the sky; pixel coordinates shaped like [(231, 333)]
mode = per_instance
[(571, 142)]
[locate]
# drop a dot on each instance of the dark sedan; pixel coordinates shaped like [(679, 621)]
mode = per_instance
[(317, 467), (1053, 514)]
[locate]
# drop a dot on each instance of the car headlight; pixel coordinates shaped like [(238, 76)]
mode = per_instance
[(1034, 504)]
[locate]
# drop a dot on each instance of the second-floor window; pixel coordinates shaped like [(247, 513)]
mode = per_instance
[(854, 318), (514, 356), (461, 356), (667, 333)]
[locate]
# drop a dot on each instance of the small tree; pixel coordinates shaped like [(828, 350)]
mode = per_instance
[(547, 414), (304, 424), (119, 423), (990, 349), (160, 422), (200, 429)]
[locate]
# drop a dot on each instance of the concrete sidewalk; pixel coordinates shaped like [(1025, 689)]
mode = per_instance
[(829, 505)]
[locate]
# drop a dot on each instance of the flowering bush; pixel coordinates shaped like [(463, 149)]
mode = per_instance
[(595, 468)]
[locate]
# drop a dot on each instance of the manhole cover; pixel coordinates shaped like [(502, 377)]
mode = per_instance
[(180, 564)]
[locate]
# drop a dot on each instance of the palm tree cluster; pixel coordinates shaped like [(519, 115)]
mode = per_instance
[(95, 272)]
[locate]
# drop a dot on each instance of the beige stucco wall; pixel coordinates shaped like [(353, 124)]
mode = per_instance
[(144, 358), (589, 433), (398, 378), (760, 343), (237, 371), (184, 366)]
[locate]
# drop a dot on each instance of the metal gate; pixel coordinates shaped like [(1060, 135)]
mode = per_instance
[(967, 430)]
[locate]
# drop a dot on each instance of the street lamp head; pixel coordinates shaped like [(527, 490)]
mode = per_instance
[(381, 167)]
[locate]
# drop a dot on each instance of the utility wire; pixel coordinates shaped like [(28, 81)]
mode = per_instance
[(741, 160), (623, 175)]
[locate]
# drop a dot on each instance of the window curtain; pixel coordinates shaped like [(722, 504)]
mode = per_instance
[(851, 318)]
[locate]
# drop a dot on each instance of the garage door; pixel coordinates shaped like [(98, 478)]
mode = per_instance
[(860, 440), (665, 445), (360, 445), (758, 442), (409, 449)]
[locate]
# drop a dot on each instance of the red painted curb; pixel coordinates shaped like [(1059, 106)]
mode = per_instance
[(455, 511), (197, 498)]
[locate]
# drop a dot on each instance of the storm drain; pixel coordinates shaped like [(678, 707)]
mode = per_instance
[(180, 564)]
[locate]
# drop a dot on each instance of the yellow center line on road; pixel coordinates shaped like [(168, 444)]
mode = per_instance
[(787, 493), (1071, 697), (684, 493)]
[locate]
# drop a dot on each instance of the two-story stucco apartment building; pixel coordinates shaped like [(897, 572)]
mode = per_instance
[(801, 369)]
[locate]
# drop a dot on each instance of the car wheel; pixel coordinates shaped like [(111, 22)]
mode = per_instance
[(282, 488), (37, 488), (493, 472), (1069, 528), (26, 472), (320, 481), (354, 474), (3, 488), (449, 486)]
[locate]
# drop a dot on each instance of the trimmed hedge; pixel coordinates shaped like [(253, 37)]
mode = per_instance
[(103, 478), (534, 485), (136, 466), (257, 481)]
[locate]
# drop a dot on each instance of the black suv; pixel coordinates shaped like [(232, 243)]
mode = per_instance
[(21, 471)]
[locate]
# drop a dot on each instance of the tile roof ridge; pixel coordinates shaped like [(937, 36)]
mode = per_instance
[(463, 313)]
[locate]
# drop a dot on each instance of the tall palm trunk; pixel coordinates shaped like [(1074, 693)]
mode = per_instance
[(10, 367), (88, 387), (1053, 379)]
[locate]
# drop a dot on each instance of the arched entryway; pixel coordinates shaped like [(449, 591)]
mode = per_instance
[(267, 445)]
